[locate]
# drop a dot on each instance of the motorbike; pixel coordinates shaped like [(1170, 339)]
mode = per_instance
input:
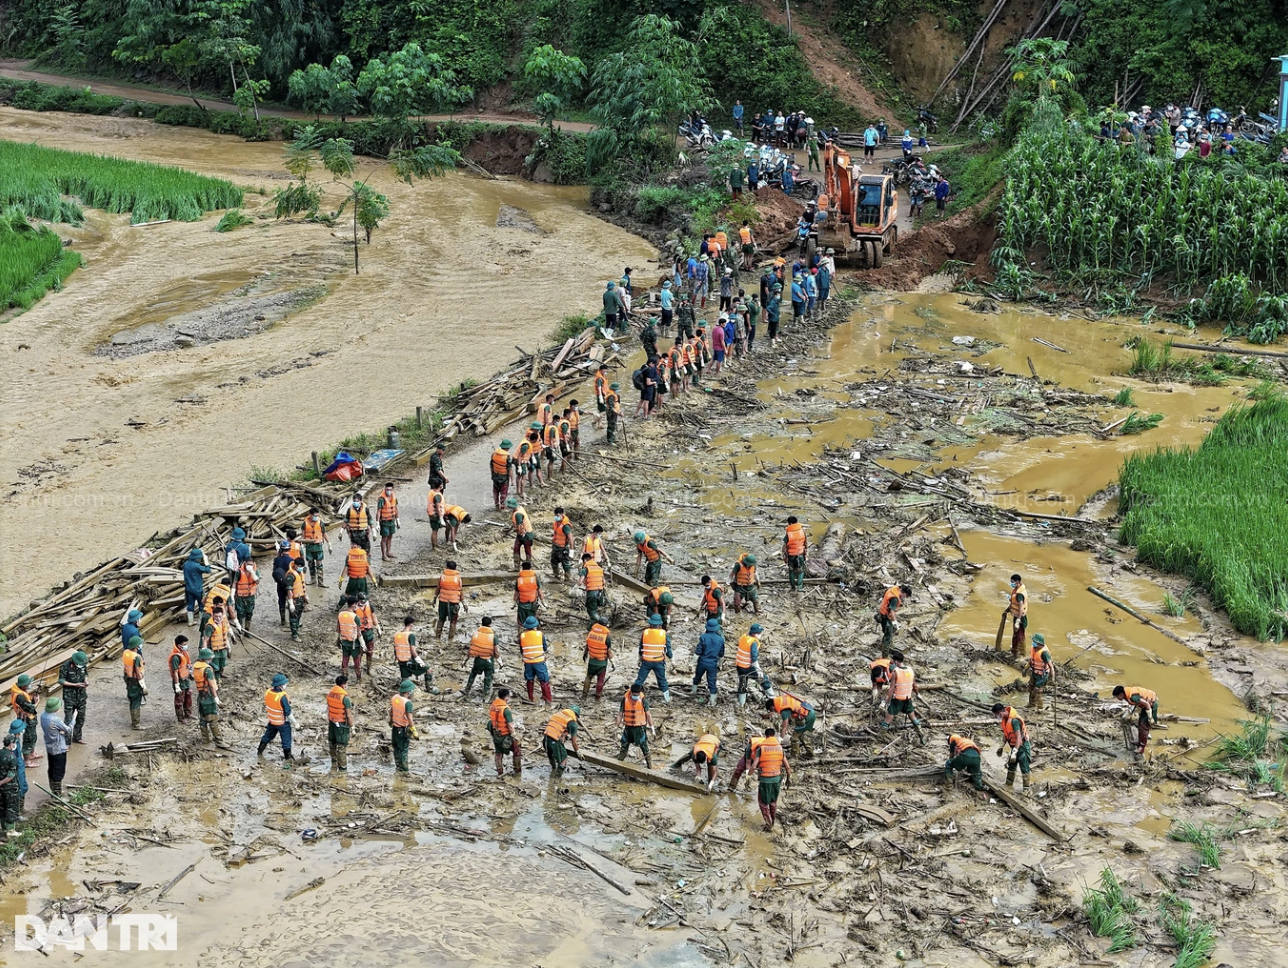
[(924, 116), (697, 134)]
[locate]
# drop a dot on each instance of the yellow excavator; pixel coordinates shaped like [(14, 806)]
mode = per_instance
[(861, 210)]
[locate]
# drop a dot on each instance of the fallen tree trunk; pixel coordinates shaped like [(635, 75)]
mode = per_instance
[(641, 773), (1008, 798)]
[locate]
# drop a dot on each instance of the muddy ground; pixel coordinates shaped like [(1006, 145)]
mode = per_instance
[(105, 448), (877, 437)]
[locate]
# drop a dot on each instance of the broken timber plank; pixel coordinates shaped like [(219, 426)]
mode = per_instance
[(1014, 803), (431, 581), (642, 773)]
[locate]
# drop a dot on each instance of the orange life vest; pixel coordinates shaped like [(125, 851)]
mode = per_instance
[(526, 584), (769, 758), (348, 625), (218, 633), (533, 646), (273, 706), (597, 642), (613, 402), (565, 428), (202, 675), (388, 507), (744, 233), (185, 661), (402, 646), (312, 531), (219, 591), (434, 503), (558, 724), (456, 512), (960, 744), (356, 518), (521, 527), (1040, 665), (892, 595), (561, 538), (247, 581), (449, 586), (594, 577), (483, 643), (1134, 692), (746, 574), (601, 385), (296, 551), (547, 413), (883, 665), (356, 564), (128, 658), (1012, 737), (1020, 608), (744, 651), (550, 435), (594, 547), (633, 712), (500, 463), (657, 593), (653, 645), (574, 419), (795, 539), (335, 711), (298, 589), (903, 680), (709, 600), (786, 701), (400, 716), (707, 744), (366, 616), (496, 714), (650, 553)]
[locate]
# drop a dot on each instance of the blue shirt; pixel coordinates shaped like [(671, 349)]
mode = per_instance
[(753, 172), (942, 189), (192, 572), (870, 137), (907, 143), (811, 286), (711, 646), (56, 733), (798, 294), (787, 181), (700, 272), (128, 631), (692, 266), (737, 112), (667, 298), (824, 279)]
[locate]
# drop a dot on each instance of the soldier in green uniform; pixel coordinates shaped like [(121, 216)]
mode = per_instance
[(339, 715), (74, 677), (203, 678), (402, 725), (9, 795), (24, 704)]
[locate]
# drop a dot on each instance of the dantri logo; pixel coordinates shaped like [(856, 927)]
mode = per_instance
[(133, 932)]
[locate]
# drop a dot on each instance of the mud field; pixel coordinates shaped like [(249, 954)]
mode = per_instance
[(911, 437), (179, 358)]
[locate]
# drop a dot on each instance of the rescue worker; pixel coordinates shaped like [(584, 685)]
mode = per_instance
[(135, 689), (277, 707), (527, 593), (339, 722), (448, 595), (356, 573), (1018, 609), (795, 551), (534, 452), (771, 767), (635, 719), (501, 467), (1041, 670), (438, 478), (348, 638), (434, 505), (402, 724), (313, 532), (598, 652), (593, 545), (963, 756), (592, 581), (562, 727), (648, 553), (566, 451), (899, 696), (298, 592), (710, 650), (387, 516), (799, 712), (658, 601), (410, 664), (601, 395), (281, 566), (130, 624), (574, 427), (9, 786), (712, 604), (23, 704), (194, 585), (888, 615), (747, 664), (73, 676), (56, 732), (484, 651), (17, 729), (522, 526), (181, 678), (500, 723), (561, 546), (244, 591), (1142, 705), (1015, 734), (746, 585), (706, 752), (880, 674), (520, 458), (613, 408), (368, 626), (532, 645), (655, 649), (455, 517), (358, 523), (550, 449), (204, 681)]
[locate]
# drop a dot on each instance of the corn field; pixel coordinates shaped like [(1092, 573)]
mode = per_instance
[(1101, 211), (1219, 514), (32, 261), (38, 179)]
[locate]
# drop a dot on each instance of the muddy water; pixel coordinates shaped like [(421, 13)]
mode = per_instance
[(445, 294)]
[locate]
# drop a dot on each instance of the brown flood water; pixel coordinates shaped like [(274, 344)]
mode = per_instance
[(445, 294)]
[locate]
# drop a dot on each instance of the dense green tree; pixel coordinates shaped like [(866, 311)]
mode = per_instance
[(329, 90), (409, 82), (554, 79)]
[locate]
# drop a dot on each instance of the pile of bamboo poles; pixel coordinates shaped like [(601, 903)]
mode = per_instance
[(521, 389)]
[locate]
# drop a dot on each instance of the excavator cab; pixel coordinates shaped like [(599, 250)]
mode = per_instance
[(864, 208)]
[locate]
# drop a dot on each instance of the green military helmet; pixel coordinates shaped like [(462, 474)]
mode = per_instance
[(407, 686), (535, 425), (512, 502), (205, 655), (506, 444), (1039, 640), (24, 681), (135, 641), (640, 536), (80, 658), (667, 598), (576, 709), (749, 559), (52, 704)]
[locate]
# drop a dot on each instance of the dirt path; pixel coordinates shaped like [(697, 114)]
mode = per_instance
[(17, 69), (103, 452)]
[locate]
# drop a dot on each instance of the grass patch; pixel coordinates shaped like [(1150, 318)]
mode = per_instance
[(1124, 398), (1177, 607), (1219, 514), (234, 219), (1109, 912), (1258, 754), (51, 820), (1136, 424), (1195, 940), (1203, 837), (38, 178), (571, 326), (972, 170), (32, 261)]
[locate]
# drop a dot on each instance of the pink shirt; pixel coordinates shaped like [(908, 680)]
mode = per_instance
[(717, 338)]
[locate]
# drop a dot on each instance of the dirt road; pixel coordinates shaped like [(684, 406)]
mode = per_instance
[(102, 452)]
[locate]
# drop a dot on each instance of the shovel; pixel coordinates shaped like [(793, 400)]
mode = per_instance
[(1001, 629)]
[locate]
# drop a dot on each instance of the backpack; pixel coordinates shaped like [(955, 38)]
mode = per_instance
[(637, 379), (232, 560), (279, 572)]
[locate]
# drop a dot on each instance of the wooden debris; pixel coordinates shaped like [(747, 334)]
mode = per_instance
[(642, 773)]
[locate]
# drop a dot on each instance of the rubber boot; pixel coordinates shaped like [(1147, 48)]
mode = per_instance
[(214, 731), (332, 747), (286, 755), (531, 686), (773, 814), (487, 685), (342, 758), (192, 620), (344, 665), (205, 732), (621, 754), (321, 580), (742, 699), (648, 761), (585, 689), (711, 700), (693, 689), (500, 765), (438, 630), (768, 817), (56, 789), (281, 611), (136, 718), (1035, 699), (547, 694), (666, 695), (262, 747), (1010, 776), (357, 666)]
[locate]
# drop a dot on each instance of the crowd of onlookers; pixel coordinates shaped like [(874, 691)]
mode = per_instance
[(1213, 133)]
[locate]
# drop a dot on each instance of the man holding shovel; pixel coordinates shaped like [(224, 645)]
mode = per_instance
[(448, 596), (1017, 612), (1015, 734)]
